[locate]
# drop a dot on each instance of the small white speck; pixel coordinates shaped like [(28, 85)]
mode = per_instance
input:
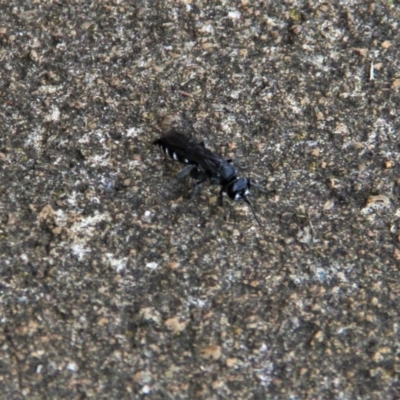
[(152, 265), (198, 302), (186, 161), (234, 14), (72, 367), (206, 29), (147, 215), (47, 89), (235, 94), (80, 250), (132, 132), (39, 369), (305, 235), (54, 115), (146, 389), (95, 200), (174, 156), (263, 348), (118, 264)]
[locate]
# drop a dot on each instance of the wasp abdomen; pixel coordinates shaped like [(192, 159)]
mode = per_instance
[(173, 153)]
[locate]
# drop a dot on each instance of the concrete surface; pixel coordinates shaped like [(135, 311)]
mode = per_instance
[(114, 285)]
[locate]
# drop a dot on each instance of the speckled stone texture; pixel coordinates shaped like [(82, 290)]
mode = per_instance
[(113, 285)]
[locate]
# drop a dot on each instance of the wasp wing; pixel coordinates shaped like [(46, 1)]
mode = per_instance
[(187, 151)]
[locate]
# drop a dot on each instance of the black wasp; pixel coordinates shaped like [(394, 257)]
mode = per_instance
[(202, 164)]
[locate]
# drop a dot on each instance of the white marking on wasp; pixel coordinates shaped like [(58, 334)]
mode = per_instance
[(174, 156), (167, 151), (186, 161), (238, 196), (247, 192)]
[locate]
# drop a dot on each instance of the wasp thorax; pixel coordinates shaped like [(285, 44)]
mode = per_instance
[(226, 172)]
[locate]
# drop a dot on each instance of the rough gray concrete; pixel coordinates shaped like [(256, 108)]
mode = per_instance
[(114, 285)]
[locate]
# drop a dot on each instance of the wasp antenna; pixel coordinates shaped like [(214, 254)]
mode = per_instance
[(252, 210)]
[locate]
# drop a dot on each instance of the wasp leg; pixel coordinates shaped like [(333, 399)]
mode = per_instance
[(178, 178), (221, 198), (196, 188), (201, 177), (185, 172)]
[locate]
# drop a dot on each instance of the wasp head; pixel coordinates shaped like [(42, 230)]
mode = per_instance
[(239, 189)]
